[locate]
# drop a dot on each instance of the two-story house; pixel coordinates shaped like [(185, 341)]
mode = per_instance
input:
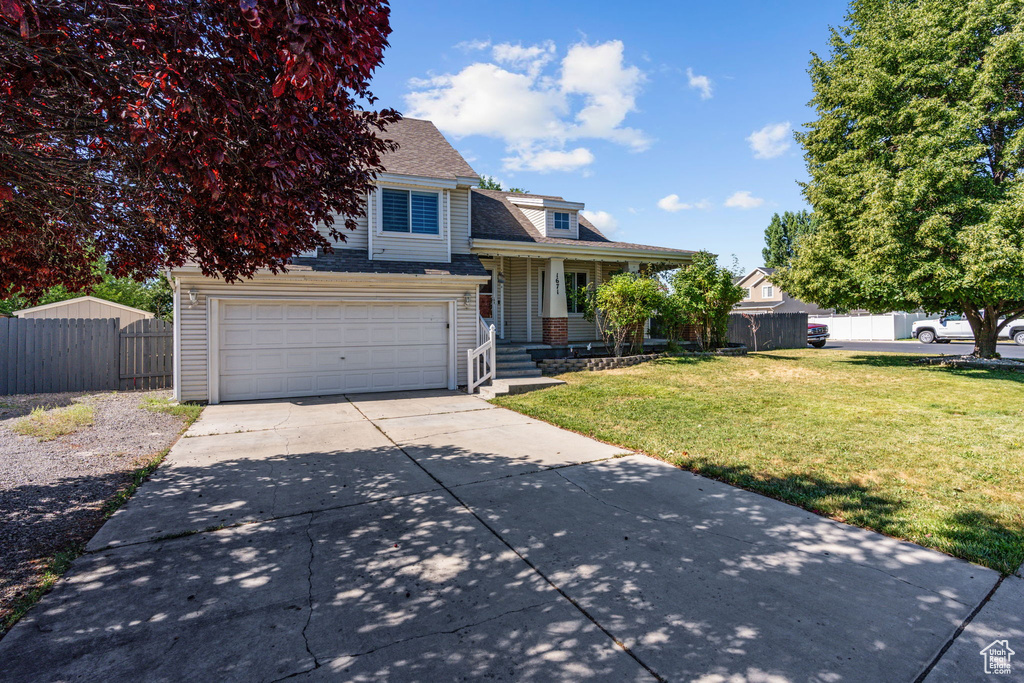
[(397, 305), (762, 296)]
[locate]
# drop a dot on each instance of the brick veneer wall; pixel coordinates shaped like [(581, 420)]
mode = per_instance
[(556, 366), (556, 331)]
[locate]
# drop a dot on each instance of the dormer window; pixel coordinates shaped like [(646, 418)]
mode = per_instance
[(562, 221), (410, 211)]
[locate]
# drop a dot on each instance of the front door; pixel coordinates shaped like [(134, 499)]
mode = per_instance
[(487, 299)]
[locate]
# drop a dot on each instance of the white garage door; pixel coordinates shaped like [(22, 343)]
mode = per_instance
[(271, 349)]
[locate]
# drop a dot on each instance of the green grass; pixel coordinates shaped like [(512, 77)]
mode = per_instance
[(932, 455), (190, 411), (48, 424), (55, 568), (61, 562)]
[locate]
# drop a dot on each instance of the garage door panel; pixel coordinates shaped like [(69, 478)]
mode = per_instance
[(284, 349)]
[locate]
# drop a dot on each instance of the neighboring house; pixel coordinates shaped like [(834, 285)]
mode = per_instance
[(86, 307), (398, 304), (764, 297)]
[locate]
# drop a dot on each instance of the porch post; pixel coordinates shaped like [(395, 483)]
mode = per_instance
[(555, 312)]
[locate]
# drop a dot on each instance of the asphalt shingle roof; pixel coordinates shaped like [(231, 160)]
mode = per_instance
[(356, 261), (496, 218), (423, 151)]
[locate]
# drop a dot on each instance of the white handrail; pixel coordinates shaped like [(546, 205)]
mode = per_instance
[(481, 361), (481, 330)]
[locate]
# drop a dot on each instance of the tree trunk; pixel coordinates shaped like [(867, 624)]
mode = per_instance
[(986, 331)]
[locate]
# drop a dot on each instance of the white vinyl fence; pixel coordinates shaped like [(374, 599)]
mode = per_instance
[(883, 327)]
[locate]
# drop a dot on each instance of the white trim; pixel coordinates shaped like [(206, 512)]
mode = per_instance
[(416, 181), (453, 342), (213, 334), (467, 181), (469, 214), (576, 251), (294, 275), (213, 349), (176, 377), (79, 299), (544, 202), (501, 295)]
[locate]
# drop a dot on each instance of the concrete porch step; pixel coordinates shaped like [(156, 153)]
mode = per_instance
[(517, 385), (522, 372), (504, 370), (510, 351)]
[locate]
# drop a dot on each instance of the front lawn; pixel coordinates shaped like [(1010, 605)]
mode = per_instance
[(931, 455)]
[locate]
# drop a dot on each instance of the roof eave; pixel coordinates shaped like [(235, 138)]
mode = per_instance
[(295, 273), (512, 248)]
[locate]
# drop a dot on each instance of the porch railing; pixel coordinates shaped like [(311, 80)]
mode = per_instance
[(481, 360)]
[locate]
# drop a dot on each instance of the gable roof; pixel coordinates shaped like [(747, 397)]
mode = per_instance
[(79, 299), (496, 218), (423, 151), (761, 271)]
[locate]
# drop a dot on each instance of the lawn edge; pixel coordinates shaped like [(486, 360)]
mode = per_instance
[(1019, 572)]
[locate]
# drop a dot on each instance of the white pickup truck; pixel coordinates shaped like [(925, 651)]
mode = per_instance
[(949, 327)]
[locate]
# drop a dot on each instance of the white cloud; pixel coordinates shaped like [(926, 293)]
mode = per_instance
[(743, 200), (547, 160), (532, 57), (698, 82), (535, 108), (602, 220), (473, 45), (672, 204), (770, 141)]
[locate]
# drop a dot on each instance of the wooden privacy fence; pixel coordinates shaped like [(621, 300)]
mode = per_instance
[(146, 355), (50, 355), (765, 331)]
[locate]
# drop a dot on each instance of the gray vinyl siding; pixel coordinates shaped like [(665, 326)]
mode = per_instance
[(88, 309), (460, 221), (535, 216), (402, 247), (549, 225), (194, 324)]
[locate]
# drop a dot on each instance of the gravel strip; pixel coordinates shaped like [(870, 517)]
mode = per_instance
[(52, 493)]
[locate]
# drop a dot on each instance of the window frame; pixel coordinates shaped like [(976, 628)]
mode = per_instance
[(568, 221), (409, 234), (767, 291), (574, 274)]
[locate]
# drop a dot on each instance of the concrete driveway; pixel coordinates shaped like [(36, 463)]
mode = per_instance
[(431, 536)]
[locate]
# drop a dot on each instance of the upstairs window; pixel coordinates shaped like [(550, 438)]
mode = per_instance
[(561, 221), (746, 292), (767, 292), (410, 211)]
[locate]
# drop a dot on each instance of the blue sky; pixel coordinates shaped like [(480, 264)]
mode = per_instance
[(672, 121)]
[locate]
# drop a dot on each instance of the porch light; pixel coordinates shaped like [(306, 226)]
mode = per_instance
[(468, 299), (501, 278), (193, 297)]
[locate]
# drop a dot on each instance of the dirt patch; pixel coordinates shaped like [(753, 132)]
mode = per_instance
[(52, 493)]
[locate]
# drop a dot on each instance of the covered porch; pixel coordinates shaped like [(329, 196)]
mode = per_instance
[(527, 311)]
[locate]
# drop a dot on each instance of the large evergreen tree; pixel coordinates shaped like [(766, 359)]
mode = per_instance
[(781, 237), (915, 162)]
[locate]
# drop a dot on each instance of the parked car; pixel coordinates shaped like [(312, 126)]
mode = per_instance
[(817, 334), (946, 328)]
